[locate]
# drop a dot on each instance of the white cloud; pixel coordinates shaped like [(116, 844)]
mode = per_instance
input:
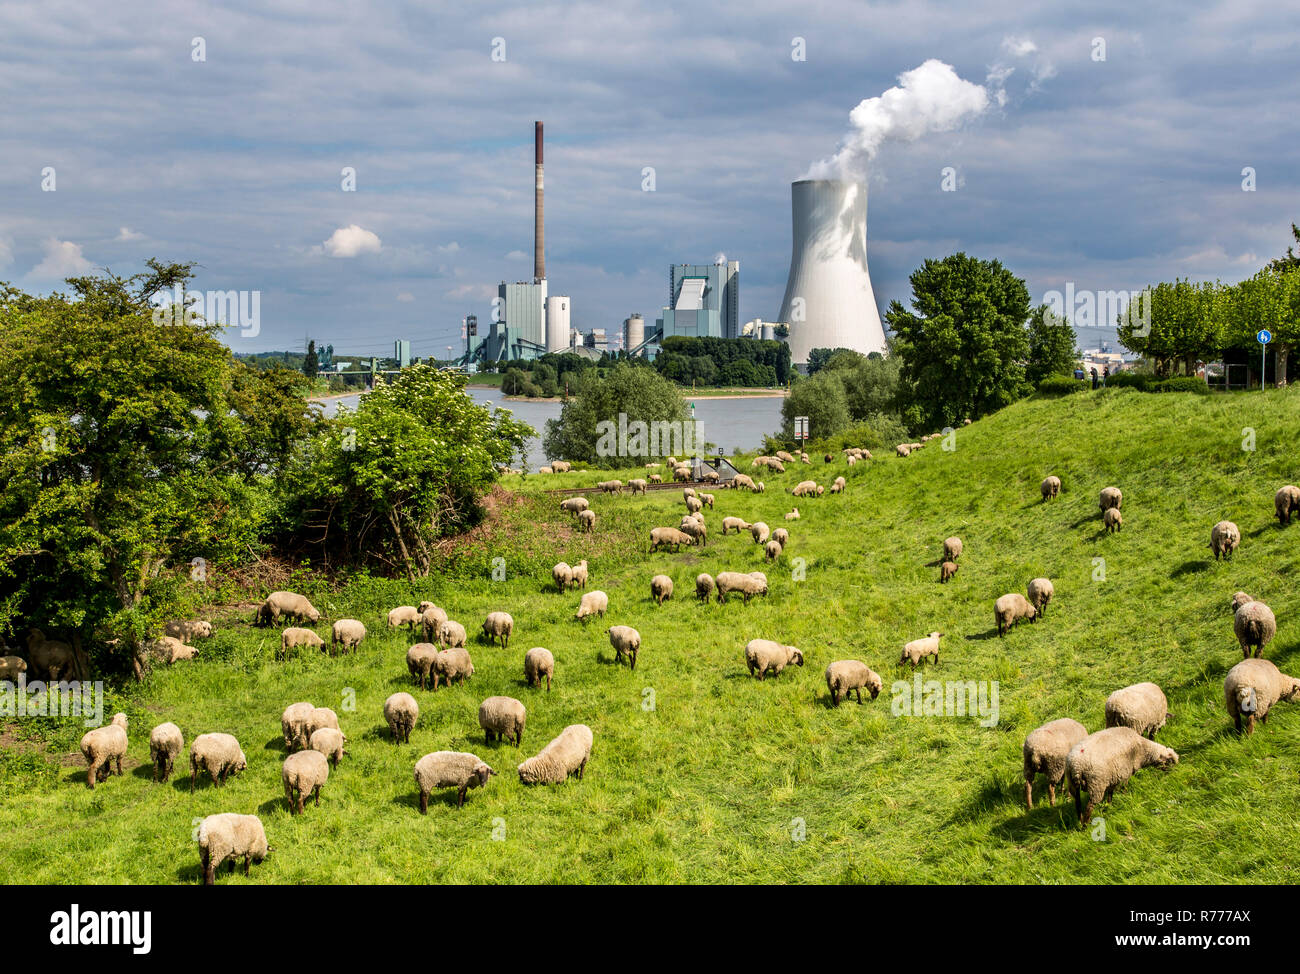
[(483, 292), (516, 255), (126, 234), (1019, 46), (62, 259), (350, 241), (406, 297), (451, 248)]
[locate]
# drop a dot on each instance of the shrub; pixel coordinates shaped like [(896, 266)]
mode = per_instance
[(1129, 380), (1061, 385), (1181, 383)]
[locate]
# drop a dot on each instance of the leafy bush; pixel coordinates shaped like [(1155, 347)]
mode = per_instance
[(1181, 383), (1061, 385), (640, 393), (1129, 380)]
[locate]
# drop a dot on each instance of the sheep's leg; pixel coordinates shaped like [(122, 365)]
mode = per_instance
[(316, 791), (194, 773), (488, 735), (859, 695), (205, 864), (90, 775), (1029, 793), (288, 796), (1051, 793), (581, 768), (835, 698), (300, 799), (424, 803), (460, 795), (548, 684), (1087, 815), (247, 858)]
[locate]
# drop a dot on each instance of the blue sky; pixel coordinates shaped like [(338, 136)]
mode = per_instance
[(1109, 174)]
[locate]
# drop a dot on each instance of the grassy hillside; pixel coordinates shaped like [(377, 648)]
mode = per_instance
[(700, 773)]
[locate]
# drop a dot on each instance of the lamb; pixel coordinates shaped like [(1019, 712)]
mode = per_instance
[(947, 570), (1252, 687), (772, 550), (760, 532), (226, 837), (1111, 497), (754, 583), (1106, 759), (286, 604), (403, 615), (217, 754), (707, 499), (450, 769), (593, 603), (451, 634), (11, 667), (561, 466), (575, 505), (401, 712), (567, 754), (805, 488), (1050, 487), (346, 635), (539, 664), (52, 659), (1224, 538), (587, 521), (1010, 609), (293, 724), (1112, 520), (662, 537), (330, 742), (760, 487), (102, 747), (694, 504), (502, 717), (839, 485), (1046, 749), (303, 774), (452, 664), (661, 589), (704, 586), (736, 524), (185, 631), (1286, 502), (165, 743), (847, 676), (919, 649), (696, 530), (637, 486), (1255, 626), (1041, 592), (562, 574), (781, 536), (1142, 707), (762, 655), (499, 625), (431, 620), (952, 548), (293, 637), (419, 662), (793, 515), (626, 642)]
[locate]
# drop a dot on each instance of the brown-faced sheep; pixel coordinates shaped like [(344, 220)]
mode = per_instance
[(401, 712), (227, 837), (1050, 487), (499, 625), (539, 664), (1010, 609), (593, 603), (1104, 760), (502, 717), (1255, 627), (919, 649), (1286, 502), (764, 655), (947, 570), (847, 676), (102, 748), (1112, 521), (219, 755), (567, 754), (661, 589), (165, 744), (452, 664), (291, 604), (1252, 687), (450, 769), (1142, 706), (626, 642), (1045, 752), (1041, 591)]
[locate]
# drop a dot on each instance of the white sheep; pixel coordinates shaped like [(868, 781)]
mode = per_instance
[(575, 505), (289, 604), (1009, 609), (781, 536), (1255, 626), (1286, 502), (593, 603), (760, 532), (330, 742), (452, 664), (580, 574), (294, 637), (1041, 591), (403, 615), (793, 515), (450, 769), (661, 589), (431, 619), (1224, 539), (704, 586), (736, 524), (1142, 706), (1252, 687), (293, 724), (567, 754), (227, 837), (1045, 751), (1104, 760), (1050, 487), (219, 755), (401, 712), (165, 743), (499, 625), (847, 676), (420, 659), (748, 585), (952, 548), (772, 550), (587, 521), (626, 642), (502, 717), (102, 747), (762, 655), (562, 575), (539, 664), (1112, 520), (346, 635), (664, 537), (303, 775), (1111, 497), (919, 649), (451, 633), (187, 630)]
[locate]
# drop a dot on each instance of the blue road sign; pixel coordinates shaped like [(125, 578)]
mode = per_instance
[(1264, 336)]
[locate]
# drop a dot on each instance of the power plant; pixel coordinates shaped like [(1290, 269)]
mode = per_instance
[(828, 299)]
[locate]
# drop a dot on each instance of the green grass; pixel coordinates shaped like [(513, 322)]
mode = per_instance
[(707, 785)]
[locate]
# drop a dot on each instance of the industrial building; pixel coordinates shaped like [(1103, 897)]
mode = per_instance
[(703, 301)]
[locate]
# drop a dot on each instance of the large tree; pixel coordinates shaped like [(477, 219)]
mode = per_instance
[(1171, 323), (1052, 348), (637, 393), (963, 344)]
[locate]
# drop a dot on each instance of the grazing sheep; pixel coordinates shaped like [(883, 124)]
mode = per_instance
[(839, 485), (11, 667), (499, 625), (575, 505), (748, 585), (451, 634), (1252, 687), (293, 724), (805, 488), (401, 712), (539, 664), (450, 769), (51, 659), (1102, 761), (902, 449), (952, 548), (656, 479), (626, 642), (567, 754), (947, 570), (347, 634), (852, 459), (781, 536), (165, 743), (1050, 487), (419, 662), (185, 631), (1111, 497), (1041, 592), (452, 664), (1286, 502), (760, 487), (688, 493), (502, 717), (793, 515), (704, 586), (403, 615), (785, 457), (661, 589), (762, 655), (169, 649), (545, 470), (330, 742), (294, 637), (593, 603), (587, 521), (760, 532), (321, 717), (707, 499), (742, 480), (736, 524), (847, 676), (1224, 538), (303, 774), (1255, 627), (711, 477), (662, 537), (1045, 751), (772, 550), (1010, 609), (1112, 520), (694, 504), (225, 838), (919, 649), (285, 604), (637, 486), (580, 574), (696, 530), (431, 620), (1239, 599), (561, 466), (102, 747), (681, 474), (562, 574), (1142, 706), (217, 754), (611, 486)]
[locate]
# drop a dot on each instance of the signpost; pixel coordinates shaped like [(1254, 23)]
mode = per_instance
[(1263, 336), (801, 428)]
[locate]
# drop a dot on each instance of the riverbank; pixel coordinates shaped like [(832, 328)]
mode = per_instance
[(686, 394)]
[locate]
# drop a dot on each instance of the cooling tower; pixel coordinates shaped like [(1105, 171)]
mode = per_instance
[(828, 299), (557, 323)]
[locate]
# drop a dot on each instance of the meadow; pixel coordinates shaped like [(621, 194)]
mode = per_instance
[(700, 773)]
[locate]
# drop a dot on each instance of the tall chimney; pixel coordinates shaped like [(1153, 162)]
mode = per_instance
[(539, 223)]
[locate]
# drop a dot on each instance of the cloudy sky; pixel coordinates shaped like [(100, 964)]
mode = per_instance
[(1107, 173)]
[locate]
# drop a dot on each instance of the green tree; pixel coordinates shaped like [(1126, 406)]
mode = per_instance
[(1052, 348), (639, 393), (819, 357), (964, 343), (311, 364), (1172, 322), (871, 387), (1291, 260), (820, 398)]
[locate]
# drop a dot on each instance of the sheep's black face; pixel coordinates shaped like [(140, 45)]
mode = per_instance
[(875, 692)]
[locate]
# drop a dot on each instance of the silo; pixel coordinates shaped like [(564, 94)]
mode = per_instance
[(633, 332), (768, 333), (557, 323), (828, 299)]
